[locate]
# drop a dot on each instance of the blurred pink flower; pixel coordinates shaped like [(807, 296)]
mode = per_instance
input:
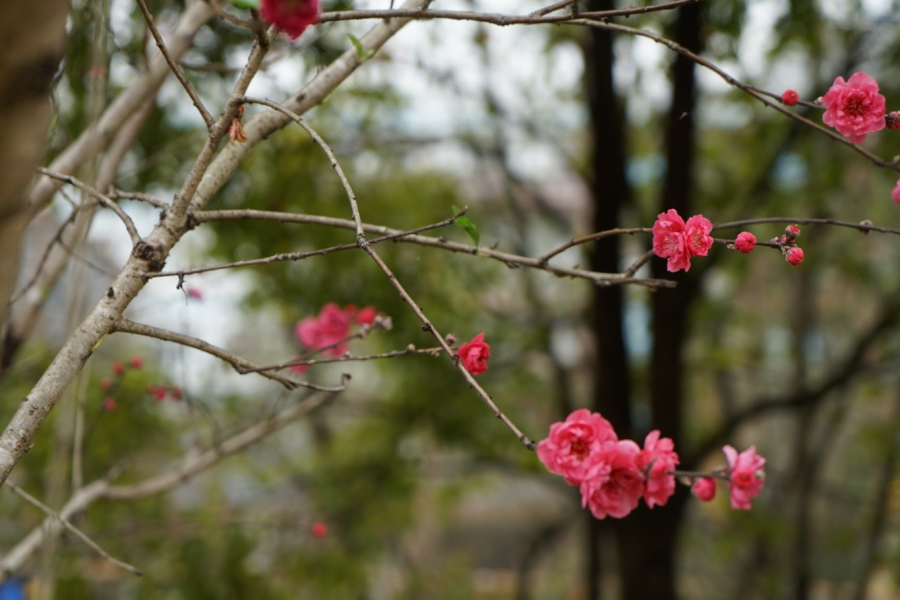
[(290, 16), (366, 316), (654, 462), (613, 485), (567, 447), (330, 327), (895, 193), (854, 107), (704, 488), (319, 529), (745, 475)]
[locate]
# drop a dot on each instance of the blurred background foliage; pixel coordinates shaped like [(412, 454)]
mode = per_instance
[(424, 493)]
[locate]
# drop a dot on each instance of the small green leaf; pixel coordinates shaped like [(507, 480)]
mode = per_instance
[(360, 53), (467, 224), (248, 4)]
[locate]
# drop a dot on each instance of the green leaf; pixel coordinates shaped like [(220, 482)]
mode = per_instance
[(248, 4), (362, 54), (467, 224)]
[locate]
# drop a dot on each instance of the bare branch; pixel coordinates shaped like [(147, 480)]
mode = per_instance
[(78, 533), (513, 261), (103, 200), (536, 18), (145, 87), (195, 463), (240, 364), (207, 118), (864, 227), (292, 256)]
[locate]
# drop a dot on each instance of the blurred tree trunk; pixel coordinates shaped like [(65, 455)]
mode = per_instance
[(611, 192), (33, 35), (646, 539)]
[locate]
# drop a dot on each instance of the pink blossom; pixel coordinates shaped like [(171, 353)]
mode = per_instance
[(704, 488), (366, 316), (475, 354), (679, 241), (299, 369), (613, 485), (745, 475), (696, 235), (854, 107), (137, 362), (791, 232), (895, 193), (109, 404), (330, 327), (106, 383), (790, 98), (566, 449), (290, 16), (745, 242), (195, 293), (319, 529), (794, 255), (669, 242), (118, 368), (655, 461)]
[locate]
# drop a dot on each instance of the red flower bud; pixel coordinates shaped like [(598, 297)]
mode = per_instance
[(790, 98), (745, 242)]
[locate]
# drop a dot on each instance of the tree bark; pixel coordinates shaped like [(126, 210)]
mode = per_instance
[(34, 39), (611, 192)]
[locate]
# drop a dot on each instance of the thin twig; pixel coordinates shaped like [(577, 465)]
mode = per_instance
[(411, 349), (535, 18), (592, 237), (677, 48), (57, 238), (864, 227), (640, 262), (207, 118), (513, 261), (294, 256), (238, 362), (78, 533), (118, 194), (552, 8), (221, 12), (103, 200), (354, 208), (404, 295)]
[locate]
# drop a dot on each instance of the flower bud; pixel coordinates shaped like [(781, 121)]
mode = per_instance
[(794, 255), (790, 98), (704, 488), (745, 242)]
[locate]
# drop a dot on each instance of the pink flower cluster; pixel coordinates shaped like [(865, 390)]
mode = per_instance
[(788, 244), (330, 329), (678, 241), (290, 16), (613, 475)]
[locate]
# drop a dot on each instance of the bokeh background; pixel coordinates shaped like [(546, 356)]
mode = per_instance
[(545, 133)]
